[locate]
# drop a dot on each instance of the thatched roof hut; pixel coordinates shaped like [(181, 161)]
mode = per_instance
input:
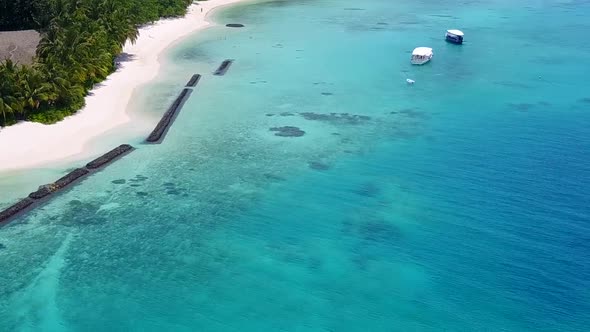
[(19, 46)]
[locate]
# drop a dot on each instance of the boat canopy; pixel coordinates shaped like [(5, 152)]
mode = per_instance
[(456, 32), (422, 51)]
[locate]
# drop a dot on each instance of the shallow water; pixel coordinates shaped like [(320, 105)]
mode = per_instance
[(459, 203)]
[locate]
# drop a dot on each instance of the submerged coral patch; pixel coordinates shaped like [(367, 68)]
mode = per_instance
[(139, 178), (343, 118), (319, 166), (273, 177), (379, 231), (523, 107), (368, 190), (287, 131), (412, 113)]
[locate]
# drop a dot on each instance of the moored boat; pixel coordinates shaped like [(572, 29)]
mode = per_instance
[(454, 36), (421, 55)]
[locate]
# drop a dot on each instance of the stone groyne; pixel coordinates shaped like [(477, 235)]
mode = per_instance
[(46, 192), (193, 81), (222, 69), (158, 134)]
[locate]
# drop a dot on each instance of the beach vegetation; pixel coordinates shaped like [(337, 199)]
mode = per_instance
[(80, 41)]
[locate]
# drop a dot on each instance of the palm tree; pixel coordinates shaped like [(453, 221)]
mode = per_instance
[(51, 42), (61, 92), (5, 108), (33, 89), (7, 87)]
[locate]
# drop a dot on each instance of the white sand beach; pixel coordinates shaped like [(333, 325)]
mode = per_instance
[(29, 145)]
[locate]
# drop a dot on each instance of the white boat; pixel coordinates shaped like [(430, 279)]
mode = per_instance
[(454, 36), (421, 55)]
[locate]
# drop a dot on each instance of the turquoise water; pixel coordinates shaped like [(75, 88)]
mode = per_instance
[(459, 203)]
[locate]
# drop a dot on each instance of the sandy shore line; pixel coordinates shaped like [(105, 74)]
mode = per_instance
[(28, 145)]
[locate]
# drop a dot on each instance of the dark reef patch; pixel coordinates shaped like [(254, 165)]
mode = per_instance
[(287, 131), (409, 22), (75, 202), (327, 94), (141, 193), (273, 177), (412, 113), (441, 15), (512, 84), (379, 231), (2, 246), (287, 114), (522, 107), (341, 118), (403, 134), (314, 264), (81, 213), (234, 25), (119, 181), (585, 100), (318, 166), (138, 178), (368, 190)]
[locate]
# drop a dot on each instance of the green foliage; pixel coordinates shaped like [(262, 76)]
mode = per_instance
[(51, 115), (80, 40)]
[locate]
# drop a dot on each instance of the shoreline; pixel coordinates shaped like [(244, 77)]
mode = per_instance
[(29, 145)]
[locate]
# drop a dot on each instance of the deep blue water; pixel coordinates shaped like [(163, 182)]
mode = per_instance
[(457, 204)]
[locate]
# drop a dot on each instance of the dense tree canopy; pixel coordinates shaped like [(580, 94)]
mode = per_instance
[(80, 40)]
